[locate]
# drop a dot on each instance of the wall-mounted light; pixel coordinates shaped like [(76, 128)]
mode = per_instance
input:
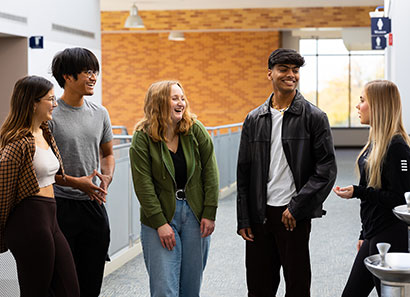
[(176, 36), (134, 20)]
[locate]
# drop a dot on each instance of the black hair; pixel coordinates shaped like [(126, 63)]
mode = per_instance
[(72, 61), (285, 56)]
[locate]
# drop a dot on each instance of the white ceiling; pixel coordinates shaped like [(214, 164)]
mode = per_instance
[(225, 4)]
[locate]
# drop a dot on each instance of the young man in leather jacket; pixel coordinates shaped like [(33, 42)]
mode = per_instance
[(286, 169)]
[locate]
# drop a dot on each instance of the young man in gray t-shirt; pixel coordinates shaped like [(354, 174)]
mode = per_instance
[(82, 130)]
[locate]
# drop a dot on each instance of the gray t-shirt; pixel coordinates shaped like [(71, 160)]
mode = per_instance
[(79, 132)]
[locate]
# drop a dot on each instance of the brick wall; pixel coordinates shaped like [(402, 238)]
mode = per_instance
[(242, 18), (223, 73)]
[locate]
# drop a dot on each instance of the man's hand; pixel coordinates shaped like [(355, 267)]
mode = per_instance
[(167, 236), (85, 184), (105, 182), (207, 227), (246, 234), (288, 220)]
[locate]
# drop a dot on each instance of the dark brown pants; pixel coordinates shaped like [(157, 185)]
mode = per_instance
[(274, 247), (45, 266)]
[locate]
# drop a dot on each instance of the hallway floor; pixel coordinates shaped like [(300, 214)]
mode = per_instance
[(332, 245)]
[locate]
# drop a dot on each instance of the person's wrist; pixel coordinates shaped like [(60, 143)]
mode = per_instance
[(72, 181), (108, 176)]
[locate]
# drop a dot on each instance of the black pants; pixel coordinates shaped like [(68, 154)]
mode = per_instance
[(361, 281), (45, 266), (85, 225), (274, 247)]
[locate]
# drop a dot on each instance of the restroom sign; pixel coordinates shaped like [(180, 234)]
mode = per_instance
[(36, 42), (380, 26), (378, 42)]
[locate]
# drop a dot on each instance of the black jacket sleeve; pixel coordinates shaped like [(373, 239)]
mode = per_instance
[(243, 176), (311, 196)]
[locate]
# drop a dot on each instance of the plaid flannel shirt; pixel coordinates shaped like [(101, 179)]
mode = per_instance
[(17, 176)]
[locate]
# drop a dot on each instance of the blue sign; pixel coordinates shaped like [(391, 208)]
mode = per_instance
[(36, 42), (380, 26), (378, 42)]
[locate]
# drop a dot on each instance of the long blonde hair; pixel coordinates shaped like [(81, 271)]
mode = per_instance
[(157, 118), (385, 122), (18, 123)]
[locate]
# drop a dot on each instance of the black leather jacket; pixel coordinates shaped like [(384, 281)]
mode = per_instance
[(308, 146)]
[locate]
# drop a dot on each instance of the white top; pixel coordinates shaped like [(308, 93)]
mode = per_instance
[(46, 166), (281, 185)]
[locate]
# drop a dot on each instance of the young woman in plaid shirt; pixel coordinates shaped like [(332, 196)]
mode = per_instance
[(29, 160)]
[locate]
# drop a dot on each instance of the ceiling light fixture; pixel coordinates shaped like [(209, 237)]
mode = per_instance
[(176, 36), (134, 20)]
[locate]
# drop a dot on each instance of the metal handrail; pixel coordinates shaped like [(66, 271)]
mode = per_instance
[(124, 130), (224, 126), (210, 129), (122, 145), (120, 136)]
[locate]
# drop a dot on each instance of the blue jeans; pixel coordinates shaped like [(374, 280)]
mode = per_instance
[(176, 273)]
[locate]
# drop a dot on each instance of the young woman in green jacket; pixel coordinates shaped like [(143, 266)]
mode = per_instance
[(175, 178)]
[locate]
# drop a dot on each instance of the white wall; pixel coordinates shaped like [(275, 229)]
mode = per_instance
[(41, 14), (398, 55)]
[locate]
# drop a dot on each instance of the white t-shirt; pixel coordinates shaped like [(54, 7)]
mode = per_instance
[(281, 185)]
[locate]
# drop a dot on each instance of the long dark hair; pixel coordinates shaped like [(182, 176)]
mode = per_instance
[(27, 91)]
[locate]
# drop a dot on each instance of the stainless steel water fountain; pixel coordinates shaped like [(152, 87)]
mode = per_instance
[(393, 269), (403, 213)]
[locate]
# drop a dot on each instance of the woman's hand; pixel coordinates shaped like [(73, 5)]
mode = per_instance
[(346, 192), (207, 227), (167, 236), (359, 244)]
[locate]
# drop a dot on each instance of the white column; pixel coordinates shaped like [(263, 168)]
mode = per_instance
[(398, 55)]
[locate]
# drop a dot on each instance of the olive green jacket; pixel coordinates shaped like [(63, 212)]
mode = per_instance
[(154, 176)]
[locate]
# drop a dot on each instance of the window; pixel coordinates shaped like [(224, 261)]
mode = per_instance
[(333, 77)]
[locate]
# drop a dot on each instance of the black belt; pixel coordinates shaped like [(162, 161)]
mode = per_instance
[(180, 194)]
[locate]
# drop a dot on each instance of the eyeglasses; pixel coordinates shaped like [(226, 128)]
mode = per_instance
[(52, 99), (90, 73)]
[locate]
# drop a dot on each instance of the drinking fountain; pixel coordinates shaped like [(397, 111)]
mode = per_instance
[(403, 213), (393, 269)]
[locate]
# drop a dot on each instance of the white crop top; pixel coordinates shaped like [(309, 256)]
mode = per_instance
[(46, 166)]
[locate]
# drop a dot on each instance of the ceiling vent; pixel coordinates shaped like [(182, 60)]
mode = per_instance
[(74, 31), (12, 17)]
